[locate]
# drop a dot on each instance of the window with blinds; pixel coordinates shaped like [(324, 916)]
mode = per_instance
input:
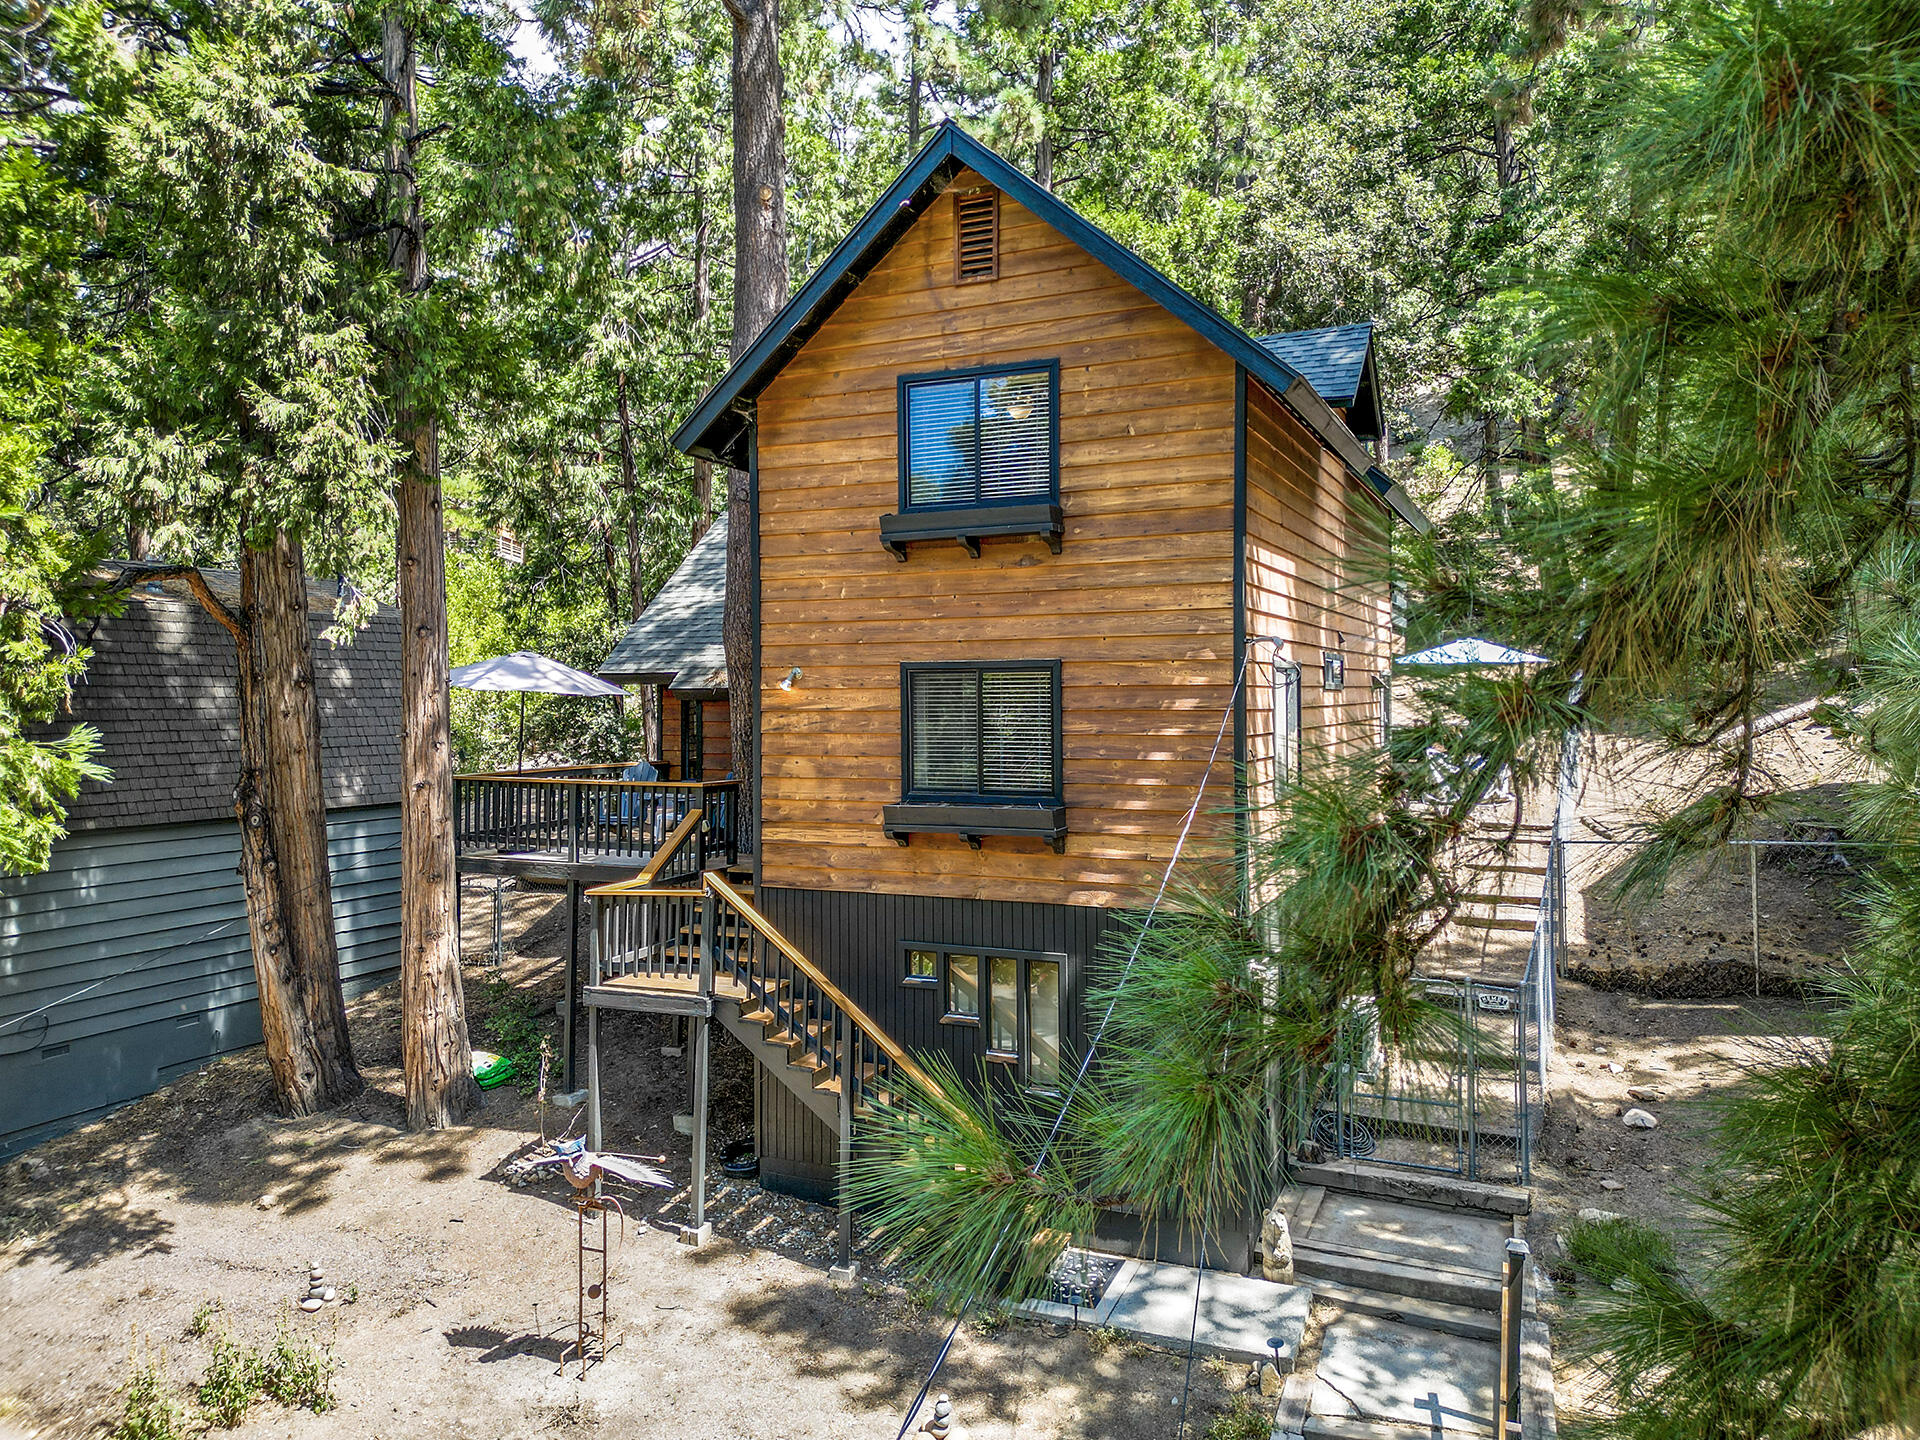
[(986, 733), (981, 438)]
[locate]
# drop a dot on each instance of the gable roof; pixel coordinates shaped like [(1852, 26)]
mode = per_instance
[(1338, 362), (677, 641), (162, 688), (718, 427)]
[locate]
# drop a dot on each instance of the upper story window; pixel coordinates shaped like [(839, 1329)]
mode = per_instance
[(980, 437), (976, 236), (984, 734)]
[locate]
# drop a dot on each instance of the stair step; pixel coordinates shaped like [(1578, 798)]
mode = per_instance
[(1363, 1270), (1342, 1427), (1477, 922), (1463, 1320), (1533, 900), (1303, 1204)]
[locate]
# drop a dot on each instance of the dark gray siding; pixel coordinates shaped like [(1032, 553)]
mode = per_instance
[(858, 937), (155, 918)]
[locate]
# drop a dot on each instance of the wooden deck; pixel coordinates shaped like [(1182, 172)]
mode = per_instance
[(662, 994)]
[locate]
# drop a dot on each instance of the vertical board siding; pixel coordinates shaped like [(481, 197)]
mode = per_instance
[(857, 938), (1316, 579), (1138, 606), (159, 915), (716, 749)]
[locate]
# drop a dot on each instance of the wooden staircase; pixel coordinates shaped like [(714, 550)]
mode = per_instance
[(649, 954), (697, 946)]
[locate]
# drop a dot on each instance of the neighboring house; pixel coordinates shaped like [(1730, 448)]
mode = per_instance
[(676, 647), (128, 962), (1042, 544)]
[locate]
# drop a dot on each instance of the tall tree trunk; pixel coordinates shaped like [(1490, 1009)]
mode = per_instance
[(702, 308), (759, 290), (280, 803), (1043, 92), (916, 13), (636, 596), (434, 1050)]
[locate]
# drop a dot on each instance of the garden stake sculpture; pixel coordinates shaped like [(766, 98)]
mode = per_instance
[(585, 1170)]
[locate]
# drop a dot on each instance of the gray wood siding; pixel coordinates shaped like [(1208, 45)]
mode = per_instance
[(158, 915), (857, 938)]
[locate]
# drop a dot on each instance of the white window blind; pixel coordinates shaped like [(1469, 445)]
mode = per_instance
[(986, 732), (983, 440)]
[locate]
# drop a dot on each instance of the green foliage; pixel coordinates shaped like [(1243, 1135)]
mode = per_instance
[(516, 1027), (1244, 1419), (297, 1373), (230, 1385), (150, 1411), (953, 1183), (42, 561), (1620, 1249), (290, 1371)]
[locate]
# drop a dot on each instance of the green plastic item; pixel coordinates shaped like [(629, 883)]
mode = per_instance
[(491, 1070)]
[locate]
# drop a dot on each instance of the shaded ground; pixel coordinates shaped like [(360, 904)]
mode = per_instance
[(462, 1284)]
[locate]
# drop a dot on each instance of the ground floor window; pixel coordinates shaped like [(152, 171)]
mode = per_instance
[(1013, 997)]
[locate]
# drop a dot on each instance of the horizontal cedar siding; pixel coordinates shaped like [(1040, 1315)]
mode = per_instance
[(1138, 606), (1315, 579)]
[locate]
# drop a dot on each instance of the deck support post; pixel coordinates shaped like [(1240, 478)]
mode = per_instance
[(844, 1271), (573, 985), (698, 1232), (593, 1079)]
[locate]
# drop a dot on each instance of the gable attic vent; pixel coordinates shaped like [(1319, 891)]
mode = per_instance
[(976, 235)]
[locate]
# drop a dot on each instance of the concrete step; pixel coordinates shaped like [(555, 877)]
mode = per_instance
[(1463, 1320), (1442, 1192), (1306, 1205), (1329, 1427), (1362, 1270)]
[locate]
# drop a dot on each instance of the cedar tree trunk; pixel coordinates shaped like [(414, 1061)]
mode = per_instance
[(759, 290), (280, 803), (434, 1050)]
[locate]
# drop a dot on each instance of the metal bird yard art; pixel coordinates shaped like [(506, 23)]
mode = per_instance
[(586, 1170)]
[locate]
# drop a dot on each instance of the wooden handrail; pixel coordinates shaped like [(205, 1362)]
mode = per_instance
[(688, 827), (883, 1041), (627, 889)]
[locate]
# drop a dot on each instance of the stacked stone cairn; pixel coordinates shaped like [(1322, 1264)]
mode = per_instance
[(318, 1291)]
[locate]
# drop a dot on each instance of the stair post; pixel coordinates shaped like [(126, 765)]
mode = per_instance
[(698, 1232), (845, 1270)]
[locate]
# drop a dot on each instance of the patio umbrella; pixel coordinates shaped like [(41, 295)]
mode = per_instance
[(1471, 652), (529, 672)]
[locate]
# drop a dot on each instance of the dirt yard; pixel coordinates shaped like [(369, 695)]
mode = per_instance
[(188, 1214)]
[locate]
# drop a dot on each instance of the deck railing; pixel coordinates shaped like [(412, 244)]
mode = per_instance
[(714, 934), (576, 816)]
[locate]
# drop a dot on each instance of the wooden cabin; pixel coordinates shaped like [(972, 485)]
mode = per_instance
[(1043, 545), (676, 649)]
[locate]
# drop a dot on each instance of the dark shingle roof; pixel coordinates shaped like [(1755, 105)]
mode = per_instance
[(1333, 358), (678, 640), (161, 689)]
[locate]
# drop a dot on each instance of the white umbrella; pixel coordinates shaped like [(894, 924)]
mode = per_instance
[(1471, 652), (528, 671)]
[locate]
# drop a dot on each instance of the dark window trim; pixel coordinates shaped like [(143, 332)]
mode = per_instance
[(1019, 1060), (979, 799), (975, 372), (920, 982)]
